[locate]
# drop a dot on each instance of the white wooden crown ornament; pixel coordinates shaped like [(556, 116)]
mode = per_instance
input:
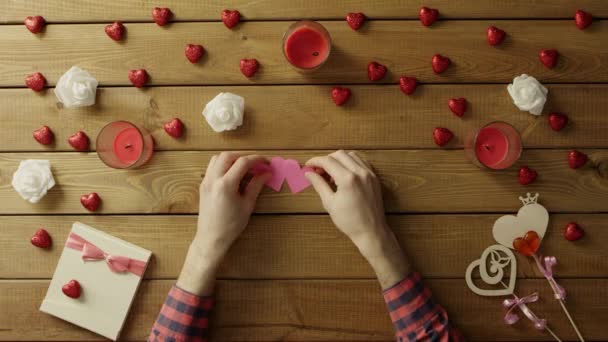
[(530, 217)]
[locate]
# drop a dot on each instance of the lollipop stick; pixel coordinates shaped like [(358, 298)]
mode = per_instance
[(553, 334), (561, 301)]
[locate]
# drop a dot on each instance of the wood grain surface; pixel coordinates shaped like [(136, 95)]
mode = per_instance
[(405, 47), (76, 11), (305, 117), (292, 276), (413, 181), (305, 310), (272, 245)]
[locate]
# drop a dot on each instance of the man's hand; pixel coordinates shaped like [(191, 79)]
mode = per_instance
[(224, 211), (356, 208)]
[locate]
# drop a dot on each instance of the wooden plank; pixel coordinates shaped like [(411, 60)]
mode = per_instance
[(188, 10), (317, 310), (414, 181), (306, 246), (405, 47), (305, 117)]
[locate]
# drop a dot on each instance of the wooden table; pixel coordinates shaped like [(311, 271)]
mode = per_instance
[(292, 275)]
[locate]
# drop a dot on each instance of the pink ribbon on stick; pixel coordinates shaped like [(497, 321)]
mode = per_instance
[(116, 263), (516, 302)]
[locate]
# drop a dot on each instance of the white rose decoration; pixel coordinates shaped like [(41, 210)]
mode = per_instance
[(76, 88), (225, 112), (528, 94), (33, 179)]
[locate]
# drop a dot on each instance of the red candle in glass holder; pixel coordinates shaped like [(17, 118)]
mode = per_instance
[(124, 145), (306, 45), (496, 146)]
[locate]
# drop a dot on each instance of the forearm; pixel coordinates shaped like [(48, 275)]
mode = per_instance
[(382, 251), (200, 268)]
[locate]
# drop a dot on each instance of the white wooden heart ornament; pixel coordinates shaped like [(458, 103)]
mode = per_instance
[(532, 216), (498, 258)]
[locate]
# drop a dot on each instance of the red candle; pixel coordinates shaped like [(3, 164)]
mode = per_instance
[(496, 146), (128, 145), (306, 45), (123, 145)]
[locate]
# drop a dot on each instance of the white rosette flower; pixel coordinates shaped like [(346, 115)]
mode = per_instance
[(76, 88), (528, 94), (225, 112), (33, 179)]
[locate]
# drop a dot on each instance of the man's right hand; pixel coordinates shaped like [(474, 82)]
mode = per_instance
[(356, 208)]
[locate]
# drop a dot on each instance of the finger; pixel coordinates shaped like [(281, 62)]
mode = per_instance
[(320, 185), (239, 169), (224, 162), (346, 160), (361, 161), (209, 171), (253, 189), (331, 166)]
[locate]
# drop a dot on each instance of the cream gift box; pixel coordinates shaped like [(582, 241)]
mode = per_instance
[(107, 288)]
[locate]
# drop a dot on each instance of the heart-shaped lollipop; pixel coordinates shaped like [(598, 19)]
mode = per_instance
[(527, 245)]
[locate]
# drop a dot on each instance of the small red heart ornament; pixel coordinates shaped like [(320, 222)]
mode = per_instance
[(44, 135), (79, 141), (527, 175), (458, 106), (442, 136), (440, 63), (548, 57), (35, 81), (558, 121), (355, 20), (194, 52), (35, 23), (72, 289), (90, 201), (161, 15), (340, 95), (138, 77), (582, 19), (573, 232), (408, 84), (428, 16), (249, 67), (495, 35), (174, 128), (375, 71), (231, 18), (115, 31), (41, 239), (528, 245), (577, 159)]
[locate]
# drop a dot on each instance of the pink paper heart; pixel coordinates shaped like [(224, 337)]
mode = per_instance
[(295, 175), (278, 174)]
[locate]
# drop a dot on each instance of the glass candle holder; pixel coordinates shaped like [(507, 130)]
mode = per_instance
[(124, 145), (495, 146), (306, 45)]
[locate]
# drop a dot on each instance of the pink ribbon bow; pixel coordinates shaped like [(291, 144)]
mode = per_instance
[(516, 302), (547, 271), (116, 263)]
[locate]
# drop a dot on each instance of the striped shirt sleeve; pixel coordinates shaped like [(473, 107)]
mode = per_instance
[(183, 317), (415, 314)]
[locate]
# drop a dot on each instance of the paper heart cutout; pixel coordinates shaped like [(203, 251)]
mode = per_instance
[(284, 170), (531, 217), (497, 263)]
